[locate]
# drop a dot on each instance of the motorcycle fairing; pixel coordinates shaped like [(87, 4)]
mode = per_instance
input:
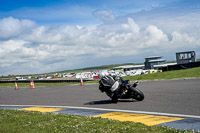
[(115, 86)]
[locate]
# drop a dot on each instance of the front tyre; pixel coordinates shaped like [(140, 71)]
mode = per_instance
[(137, 94), (114, 98)]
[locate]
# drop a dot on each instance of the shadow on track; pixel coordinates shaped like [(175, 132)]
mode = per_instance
[(108, 102)]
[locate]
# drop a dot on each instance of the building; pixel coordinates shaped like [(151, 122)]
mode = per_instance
[(129, 67), (185, 57), (184, 60), (160, 67), (153, 60)]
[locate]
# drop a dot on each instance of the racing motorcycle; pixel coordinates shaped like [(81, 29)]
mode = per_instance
[(120, 89)]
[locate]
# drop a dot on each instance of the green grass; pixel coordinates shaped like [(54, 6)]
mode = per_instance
[(187, 73), (14, 121), (10, 85)]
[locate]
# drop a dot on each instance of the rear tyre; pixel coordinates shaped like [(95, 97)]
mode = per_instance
[(137, 94)]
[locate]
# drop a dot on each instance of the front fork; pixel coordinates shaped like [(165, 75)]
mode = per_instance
[(135, 84)]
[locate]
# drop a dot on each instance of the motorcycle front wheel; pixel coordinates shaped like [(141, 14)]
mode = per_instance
[(113, 98), (137, 94)]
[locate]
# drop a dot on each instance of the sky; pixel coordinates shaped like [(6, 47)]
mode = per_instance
[(41, 36)]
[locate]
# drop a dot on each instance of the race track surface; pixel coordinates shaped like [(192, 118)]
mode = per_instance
[(168, 96)]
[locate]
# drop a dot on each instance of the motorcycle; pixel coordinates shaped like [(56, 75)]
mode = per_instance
[(120, 89)]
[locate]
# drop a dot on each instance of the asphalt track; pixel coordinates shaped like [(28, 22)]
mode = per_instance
[(179, 97)]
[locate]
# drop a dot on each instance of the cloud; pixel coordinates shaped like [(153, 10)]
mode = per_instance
[(44, 34), (104, 15), (155, 36), (11, 27), (132, 26), (184, 41), (53, 48), (180, 16)]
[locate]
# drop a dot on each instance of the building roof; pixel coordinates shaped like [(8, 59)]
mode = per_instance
[(185, 52), (152, 57), (158, 60), (128, 66), (164, 65)]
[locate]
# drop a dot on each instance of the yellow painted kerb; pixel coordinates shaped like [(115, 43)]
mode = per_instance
[(42, 109), (149, 120)]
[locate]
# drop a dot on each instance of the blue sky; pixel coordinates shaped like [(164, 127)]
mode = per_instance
[(39, 36), (72, 11)]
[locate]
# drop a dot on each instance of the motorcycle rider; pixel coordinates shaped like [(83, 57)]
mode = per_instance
[(112, 84), (119, 88)]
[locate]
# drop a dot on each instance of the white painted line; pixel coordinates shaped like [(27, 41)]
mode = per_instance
[(113, 110)]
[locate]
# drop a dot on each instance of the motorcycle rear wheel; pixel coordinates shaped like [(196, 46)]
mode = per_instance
[(137, 94)]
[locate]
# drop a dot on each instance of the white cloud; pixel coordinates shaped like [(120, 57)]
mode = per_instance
[(133, 26), (52, 48), (104, 15), (43, 34), (184, 41), (11, 45), (11, 27), (155, 36)]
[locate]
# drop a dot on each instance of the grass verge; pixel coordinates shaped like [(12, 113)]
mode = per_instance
[(12, 85), (186, 73), (14, 121)]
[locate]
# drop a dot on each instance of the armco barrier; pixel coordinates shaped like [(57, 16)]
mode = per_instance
[(43, 81)]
